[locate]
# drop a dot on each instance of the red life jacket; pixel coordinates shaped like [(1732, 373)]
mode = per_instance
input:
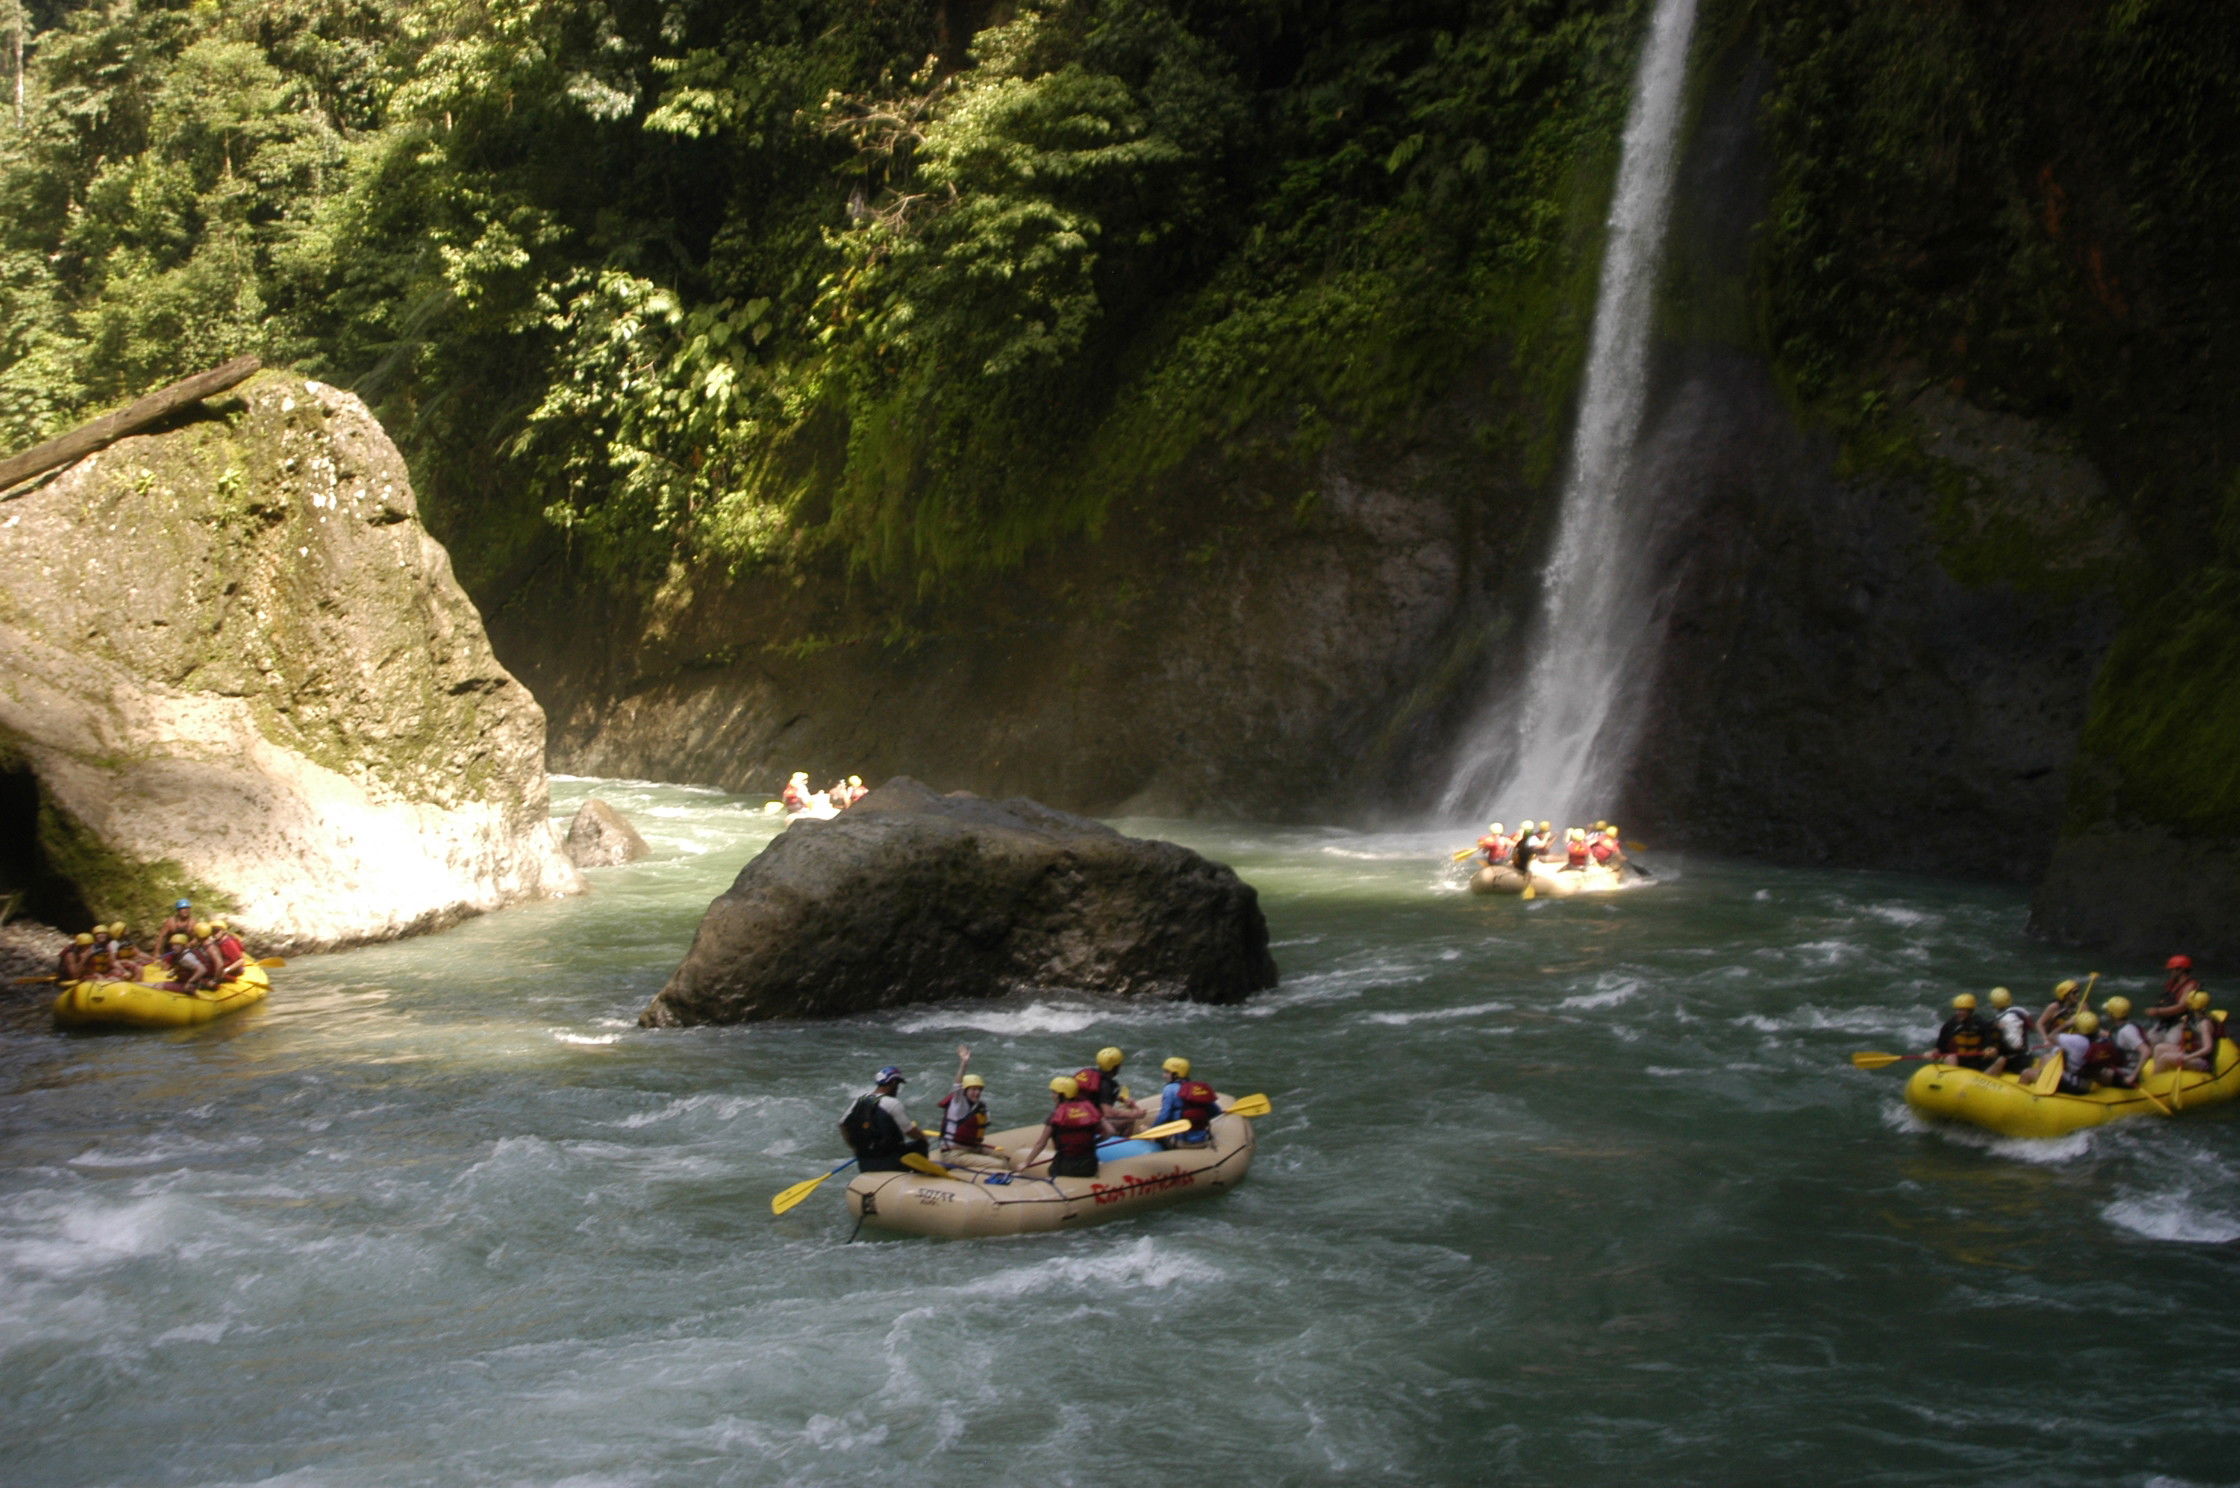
[(969, 1129), (1096, 1086), (1604, 850), (1577, 853), (1199, 1104), (1073, 1127), (794, 799), (230, 950), (2103, 1055)]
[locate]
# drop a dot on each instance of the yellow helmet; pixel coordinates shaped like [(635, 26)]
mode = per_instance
[(2087, 1021), (202, 929), (2117, 1007), (2066, 986), (1066, 1085), (1108, 1058), (82, 939), (2001, 997), (2197, 999), (221, 925), (973, 1082), (177, 938), (1966, 1001), (1494, 828), (1544, 826), (1177, 1065)]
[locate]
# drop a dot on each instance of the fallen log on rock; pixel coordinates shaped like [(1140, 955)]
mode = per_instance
[(111, 427)]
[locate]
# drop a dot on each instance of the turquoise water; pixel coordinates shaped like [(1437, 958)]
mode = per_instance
[(1578, 1192)]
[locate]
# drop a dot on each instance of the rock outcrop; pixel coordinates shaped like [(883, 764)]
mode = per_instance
[(915, 897), (600, 837), (234, 666)]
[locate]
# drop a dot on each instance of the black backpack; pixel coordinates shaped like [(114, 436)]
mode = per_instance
[(868, 1130)]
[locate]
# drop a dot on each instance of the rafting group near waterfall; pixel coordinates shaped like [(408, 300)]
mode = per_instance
[(1109, 1156), (1533, 861), (2070, 1067)]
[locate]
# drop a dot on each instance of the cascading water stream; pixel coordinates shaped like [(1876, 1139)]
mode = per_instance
[(1558, 746)]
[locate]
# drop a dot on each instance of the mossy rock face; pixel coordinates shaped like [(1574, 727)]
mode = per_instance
[(244, 675)]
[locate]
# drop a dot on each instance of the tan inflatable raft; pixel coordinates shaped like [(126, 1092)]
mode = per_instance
[(986, 1198), (1551, 881)]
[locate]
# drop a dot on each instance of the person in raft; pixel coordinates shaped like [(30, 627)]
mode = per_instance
[(1530, 844), (180, 923), (796, 794), (2066, 996), (2192, 1042), (1100, 1082), (76, 959), (190, 972), (1494, 846), (2130, 1041), (877, 1128), (964, 1110), (2012, 1026), (1575, 851), (233, 956), (1072, 1130), (2180, 984), (1965, 1039), (2074, 1044), (1185, 1099)]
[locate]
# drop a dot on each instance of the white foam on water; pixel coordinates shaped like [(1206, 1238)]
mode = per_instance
[(1609, 997), (722, 1107), (1437, 1015), (2177, 1217), (1811, 1019), (562, 1037), (1141, 1265), (1036, 1017)]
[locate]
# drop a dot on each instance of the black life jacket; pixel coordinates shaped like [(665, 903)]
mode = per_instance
[(868, 1130), (1962, 1035)]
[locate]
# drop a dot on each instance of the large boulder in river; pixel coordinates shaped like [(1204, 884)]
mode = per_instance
[(234, 666), (601, 837), (916, 897)]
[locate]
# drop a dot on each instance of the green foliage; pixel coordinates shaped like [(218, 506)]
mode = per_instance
[(729, 283), (113, 885)]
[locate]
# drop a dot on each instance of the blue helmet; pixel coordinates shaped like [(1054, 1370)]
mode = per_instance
[(892, 1073), (184, 904)]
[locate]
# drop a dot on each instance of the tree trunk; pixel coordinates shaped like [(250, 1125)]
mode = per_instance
[(110, 428)]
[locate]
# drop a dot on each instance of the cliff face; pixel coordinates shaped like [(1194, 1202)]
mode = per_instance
[(1177, 665), (234, 667)]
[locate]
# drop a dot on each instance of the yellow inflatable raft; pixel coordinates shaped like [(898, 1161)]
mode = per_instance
[(2005, 1105), (986, 1198), (151, 1005), (1549, 880)]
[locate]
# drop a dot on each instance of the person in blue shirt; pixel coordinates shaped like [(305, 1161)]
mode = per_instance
[(1185, 1099)]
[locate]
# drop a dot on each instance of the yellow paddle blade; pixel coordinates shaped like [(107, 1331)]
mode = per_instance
[(1460, 854), (32, 981), (2049, 1078), (1874, 1061), (1249, 1105), (1171, 1129), (793, 1196), (917, 1164), (273, 961), (1529, 891)]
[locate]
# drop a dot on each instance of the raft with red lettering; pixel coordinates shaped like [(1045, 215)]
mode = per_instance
[(984, 1197)]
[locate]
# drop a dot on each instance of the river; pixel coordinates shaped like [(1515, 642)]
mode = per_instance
[(1578, 1192)]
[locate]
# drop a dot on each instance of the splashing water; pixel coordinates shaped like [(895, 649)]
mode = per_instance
[(1559, 747)]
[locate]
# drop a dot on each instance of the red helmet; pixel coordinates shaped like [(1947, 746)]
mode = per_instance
[(2178, 963)]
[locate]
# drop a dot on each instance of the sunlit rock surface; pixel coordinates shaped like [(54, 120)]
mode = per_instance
[(241, 671)]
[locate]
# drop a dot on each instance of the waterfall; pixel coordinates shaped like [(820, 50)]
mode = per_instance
[(1558, 747)]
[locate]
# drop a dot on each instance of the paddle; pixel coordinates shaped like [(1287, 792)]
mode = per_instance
[(1884, 1061), (926, 1165), (272, 961), (2049, 1077), (2141, 1087), (1460, 854), (793, 1196), (30, 981)]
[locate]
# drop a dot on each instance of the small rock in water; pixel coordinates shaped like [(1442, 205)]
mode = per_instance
[(600, 837), (912, 897)]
